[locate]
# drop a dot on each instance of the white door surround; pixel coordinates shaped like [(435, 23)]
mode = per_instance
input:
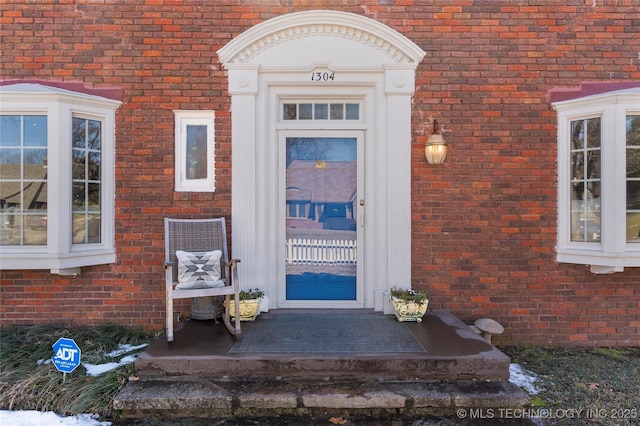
[(278, 60)]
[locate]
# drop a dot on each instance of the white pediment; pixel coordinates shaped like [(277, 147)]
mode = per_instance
[(321, 36)]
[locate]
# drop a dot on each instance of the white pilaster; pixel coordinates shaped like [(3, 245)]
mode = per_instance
[(399, 87), (243, 87)]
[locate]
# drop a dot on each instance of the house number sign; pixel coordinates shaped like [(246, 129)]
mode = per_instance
[(322, 76)]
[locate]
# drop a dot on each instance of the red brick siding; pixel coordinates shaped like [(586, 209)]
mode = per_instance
[(483, 224)]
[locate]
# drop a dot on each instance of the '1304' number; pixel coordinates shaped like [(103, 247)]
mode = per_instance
[(322, 76)]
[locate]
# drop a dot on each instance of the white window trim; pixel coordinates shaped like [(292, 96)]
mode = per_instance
[(60, 255), (191, 118), (613, 253)]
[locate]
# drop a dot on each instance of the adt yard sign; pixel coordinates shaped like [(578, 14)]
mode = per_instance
[(66, 355)]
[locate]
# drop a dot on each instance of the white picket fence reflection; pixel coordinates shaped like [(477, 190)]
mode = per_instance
[(310, 251)]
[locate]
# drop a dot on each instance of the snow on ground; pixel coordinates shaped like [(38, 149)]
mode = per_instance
[(96, 370), (524, 379), (124, 349), (49, 418)]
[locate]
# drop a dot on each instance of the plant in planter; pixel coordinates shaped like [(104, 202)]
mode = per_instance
[(408, 304), (249, 304)]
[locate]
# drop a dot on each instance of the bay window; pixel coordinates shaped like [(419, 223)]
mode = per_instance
[(56, 178), (599, 180)]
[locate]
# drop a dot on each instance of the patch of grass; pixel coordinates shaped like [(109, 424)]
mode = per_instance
[(28, 382), (602, 382)]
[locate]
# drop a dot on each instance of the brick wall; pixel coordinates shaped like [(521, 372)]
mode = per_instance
[(483, 223)]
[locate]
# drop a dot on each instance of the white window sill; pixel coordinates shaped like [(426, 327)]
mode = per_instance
[(600, 262), (67, 264)]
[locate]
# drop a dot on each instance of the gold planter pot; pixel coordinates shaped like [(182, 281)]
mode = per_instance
[(409, 311), (248, 309)]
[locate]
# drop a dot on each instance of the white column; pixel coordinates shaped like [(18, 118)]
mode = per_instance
[(243, 87), (399, 87)]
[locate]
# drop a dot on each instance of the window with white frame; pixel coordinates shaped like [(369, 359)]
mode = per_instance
[(194, 154), (86, 138), (599, 180), (56, 178), (335, 111)]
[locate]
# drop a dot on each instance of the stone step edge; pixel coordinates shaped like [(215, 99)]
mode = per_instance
[(186, 397), (338, 367)]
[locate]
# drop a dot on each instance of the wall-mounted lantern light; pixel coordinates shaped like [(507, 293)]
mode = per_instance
[(435, 149)]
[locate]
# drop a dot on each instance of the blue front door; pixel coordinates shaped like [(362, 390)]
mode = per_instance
[(321, 219)]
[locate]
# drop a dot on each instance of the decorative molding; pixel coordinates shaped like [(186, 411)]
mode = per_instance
[(399, 81), (321, 23), (243, 81)]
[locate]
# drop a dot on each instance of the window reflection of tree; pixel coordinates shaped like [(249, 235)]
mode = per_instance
[(87, 163), (585, 178), (87, 143), (196, 161), (310, 149), (586, 159), (23, 172), (633, 161), (633, 177)]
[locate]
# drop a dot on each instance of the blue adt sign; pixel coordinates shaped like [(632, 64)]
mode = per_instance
[(66, 355)]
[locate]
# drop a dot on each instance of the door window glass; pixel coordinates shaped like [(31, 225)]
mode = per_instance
[(321, 193)]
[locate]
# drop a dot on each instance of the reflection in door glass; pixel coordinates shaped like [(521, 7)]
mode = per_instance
[(321, 190)]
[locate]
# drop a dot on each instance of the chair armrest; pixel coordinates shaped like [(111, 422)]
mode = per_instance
[(232, 271), (168, 276)]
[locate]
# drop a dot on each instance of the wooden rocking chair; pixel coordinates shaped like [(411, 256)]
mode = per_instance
[(195, 268)]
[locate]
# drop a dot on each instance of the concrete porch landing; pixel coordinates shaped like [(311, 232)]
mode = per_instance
[(452, 352), (197, 376)]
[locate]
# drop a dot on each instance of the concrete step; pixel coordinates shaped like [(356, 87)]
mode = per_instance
[(182, 397), (201, 375)]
